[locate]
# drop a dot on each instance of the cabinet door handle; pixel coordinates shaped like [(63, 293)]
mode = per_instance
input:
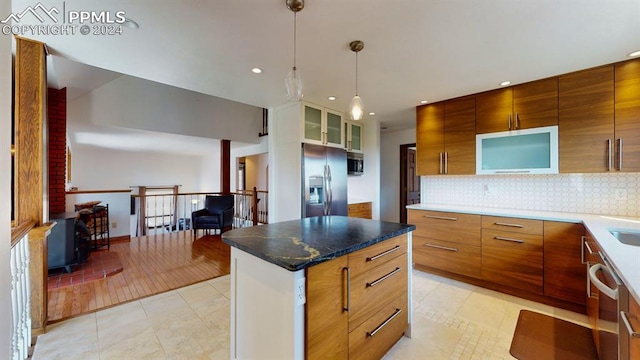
[(620, 154), (348, 292), (440, 217), (583, 242), (586, 243), (441, 247), (517, 121), (440, 163), (508, 224), (379, 327), (385, 277), (509, 239), (446, 162), (395, 248), (509, 121), (627, 324), (609, 155)]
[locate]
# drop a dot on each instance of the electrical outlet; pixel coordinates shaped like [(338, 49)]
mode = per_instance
[(621, 194), (114, 224), (300, 296)]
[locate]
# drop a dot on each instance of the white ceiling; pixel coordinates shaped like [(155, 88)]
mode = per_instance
[(414, 49)]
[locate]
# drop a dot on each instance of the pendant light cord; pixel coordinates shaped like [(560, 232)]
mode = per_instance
[(295, 15), (356, 73)]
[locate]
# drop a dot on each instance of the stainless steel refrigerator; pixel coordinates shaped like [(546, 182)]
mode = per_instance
[(324, 181)]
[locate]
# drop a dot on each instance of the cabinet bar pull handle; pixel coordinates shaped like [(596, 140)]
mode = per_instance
[(588, 248), (508, 224), (440, 164), (509, 239), (609, 154), (348, 289), (509, 117), (441, 247), (375, 331), (440, 217), (446, 162), (517, 121), (627, 324), (376, 282), (583, 241), (620, 154), (371, 258)]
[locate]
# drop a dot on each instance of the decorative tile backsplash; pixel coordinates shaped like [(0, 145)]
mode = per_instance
[(606, 194)]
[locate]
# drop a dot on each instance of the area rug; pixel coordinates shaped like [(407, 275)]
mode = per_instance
[(99, 265), (538, 336)]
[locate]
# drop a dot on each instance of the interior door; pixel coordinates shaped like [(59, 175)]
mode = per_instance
[(409, 180)]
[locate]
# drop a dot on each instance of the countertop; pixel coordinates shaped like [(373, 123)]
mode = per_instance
[(624, 258), (298, 244)]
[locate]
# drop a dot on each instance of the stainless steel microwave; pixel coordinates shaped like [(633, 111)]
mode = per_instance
[(355, 163)]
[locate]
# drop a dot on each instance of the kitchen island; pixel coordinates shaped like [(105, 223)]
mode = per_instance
[(320, 287)]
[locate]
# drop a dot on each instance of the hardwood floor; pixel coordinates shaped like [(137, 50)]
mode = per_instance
[(151, 265)]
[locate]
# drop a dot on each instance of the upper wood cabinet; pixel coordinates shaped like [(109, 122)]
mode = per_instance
[(586, 120), (446, 137), (525, 106), (627, 116)]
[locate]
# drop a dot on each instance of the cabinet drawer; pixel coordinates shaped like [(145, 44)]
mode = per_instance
[(390, 322), (363, 260), (516, 225), (372, 290), (454, 227), (361, 210), (452, 257), (513, 260)]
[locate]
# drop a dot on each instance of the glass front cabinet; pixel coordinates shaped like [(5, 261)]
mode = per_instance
[(353, 136), (322, 126)]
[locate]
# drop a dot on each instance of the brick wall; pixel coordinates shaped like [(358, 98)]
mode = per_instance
[(57, 148)]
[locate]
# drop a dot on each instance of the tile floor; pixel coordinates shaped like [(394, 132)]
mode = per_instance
[(451, 320)]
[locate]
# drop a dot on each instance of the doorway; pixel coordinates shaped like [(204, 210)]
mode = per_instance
[(409, 181)]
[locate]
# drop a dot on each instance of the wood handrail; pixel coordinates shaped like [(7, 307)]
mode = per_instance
[(96, 191), (20, 231)]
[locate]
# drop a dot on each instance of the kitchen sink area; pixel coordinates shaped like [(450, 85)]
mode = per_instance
[(627, 237)]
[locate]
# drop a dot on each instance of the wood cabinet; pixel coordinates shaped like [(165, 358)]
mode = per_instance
[(633, 328), (447, 241), (586, 120), (358, 302), (360, 210), (627, 116), (565, 272), (352, 136), (525, 106), (512, 252), (446, 137), (322, 126)]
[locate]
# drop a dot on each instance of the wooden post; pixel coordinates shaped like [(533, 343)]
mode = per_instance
[(225, 166), (254, 206)]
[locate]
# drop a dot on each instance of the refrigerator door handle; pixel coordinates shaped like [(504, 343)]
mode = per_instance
[(329, 190), (325, 194)]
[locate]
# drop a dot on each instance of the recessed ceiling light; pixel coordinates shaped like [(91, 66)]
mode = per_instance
[(372, 113), (331, 98), (424, 101), (505, 83), (635, 53), (256, 70)]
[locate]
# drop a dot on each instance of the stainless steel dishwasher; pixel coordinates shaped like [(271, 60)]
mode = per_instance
[(612, 297)]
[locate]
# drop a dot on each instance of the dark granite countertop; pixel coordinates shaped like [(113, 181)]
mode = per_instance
[(299, 244)]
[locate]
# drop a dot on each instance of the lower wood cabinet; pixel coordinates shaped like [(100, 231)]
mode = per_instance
[(357, 304), (535, 258), (564, 267), (633, 328), (360, 210)]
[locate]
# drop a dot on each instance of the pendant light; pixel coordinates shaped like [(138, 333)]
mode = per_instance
[(293, 81), (356, 108)]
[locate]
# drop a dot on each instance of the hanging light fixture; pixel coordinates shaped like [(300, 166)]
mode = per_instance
[(356, 108), (293, 81)]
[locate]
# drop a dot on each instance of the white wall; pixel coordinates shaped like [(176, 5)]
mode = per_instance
[(256, 171), (367, 186), (390, 172), (245, 150), (134, 103), (5, 188), (119, 210)]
